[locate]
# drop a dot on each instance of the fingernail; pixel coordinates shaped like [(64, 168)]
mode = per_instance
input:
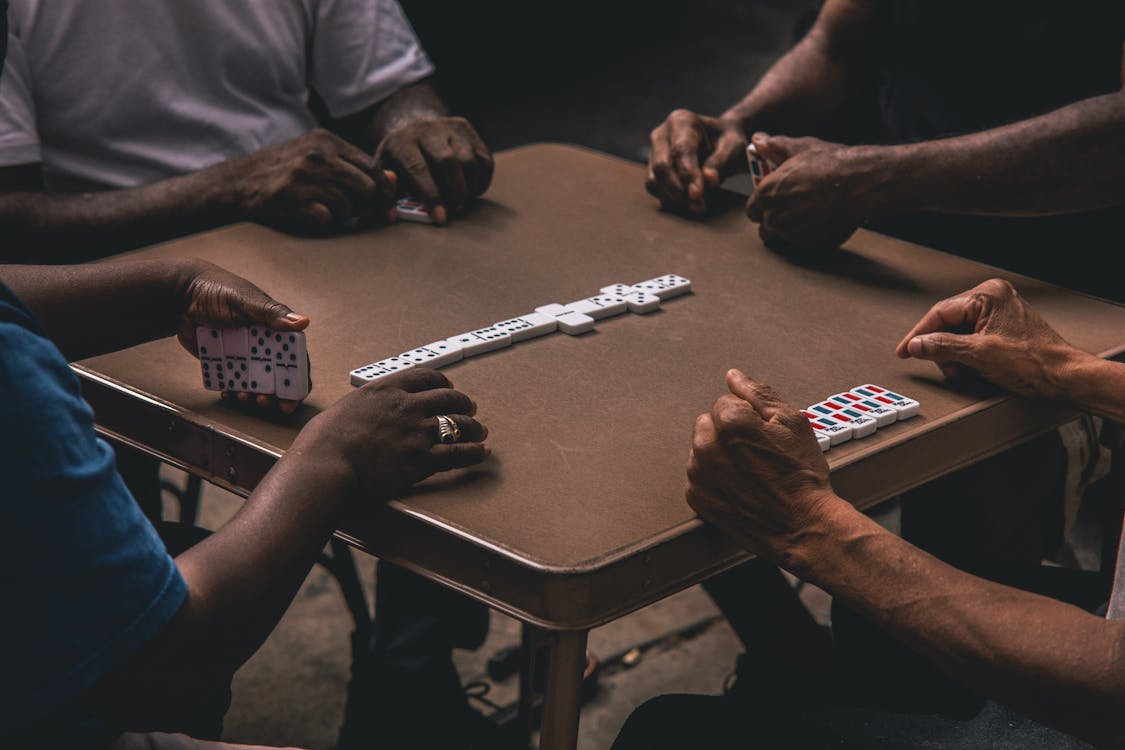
[(294, 317), (438, 213), (392, 214), (487, 451)]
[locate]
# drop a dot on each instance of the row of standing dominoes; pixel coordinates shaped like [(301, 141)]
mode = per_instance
[(857, 413), (254, 359), (573, 319)]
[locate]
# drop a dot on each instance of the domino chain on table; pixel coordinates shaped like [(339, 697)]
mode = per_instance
[(574, 318)]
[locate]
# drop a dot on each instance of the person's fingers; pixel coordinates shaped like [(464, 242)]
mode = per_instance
[(472, 431), (354, 155), (764, 399), (943, 347), (415, 380), (313, 215), (479, 175), (339, 203), (358, 184), (415, 172), (952, 314), (470, 166), (775, 148), (754, 209), (727, 158), (733, 413), (287, 406), (446, 170), (458, 455), (686, 143), (444, 401), (665, 184)]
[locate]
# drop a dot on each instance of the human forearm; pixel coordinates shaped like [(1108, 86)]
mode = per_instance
[(70, 227), (1094, 385), (1049, 660), (240, 580), (1064, 161), (808, 90), (368, 128), (97, 308)]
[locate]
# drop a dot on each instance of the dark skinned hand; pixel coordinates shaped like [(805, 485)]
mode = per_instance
[(387, 431), (216, 297), (441, 161), (691, 154), (992, 332)]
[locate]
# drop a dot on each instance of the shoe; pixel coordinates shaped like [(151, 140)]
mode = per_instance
[(389, 708)]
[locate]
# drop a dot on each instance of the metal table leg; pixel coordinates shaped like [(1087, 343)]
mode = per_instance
[(566, 660)]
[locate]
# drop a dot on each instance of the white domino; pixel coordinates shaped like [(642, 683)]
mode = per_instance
[(236, 359), (290, 365), (481, 340), (528, 326), (905, 407), (861, 425), (836, 432), (666, 286), (410, 208), (600, 306), (209, 345), (570, 322), (638, 300), (822, 440), (882, 415), (437, 354), (260, 375), (367, 374), (641, 302)]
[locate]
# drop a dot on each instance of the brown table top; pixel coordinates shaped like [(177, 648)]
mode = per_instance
[(590, 434)]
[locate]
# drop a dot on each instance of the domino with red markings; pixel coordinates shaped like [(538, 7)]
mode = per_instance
[(861, 425), (759, 168), (836, 432), (883, 415), (903, 406)]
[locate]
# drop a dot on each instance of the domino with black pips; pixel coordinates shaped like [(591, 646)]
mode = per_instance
[(209, 347), (570, 322), (599, 306), (436, 354), (236, 359), (260, 375), (638, 300), (290, 365), (665, 287), (481, 341), (759, 168), (528, 326)]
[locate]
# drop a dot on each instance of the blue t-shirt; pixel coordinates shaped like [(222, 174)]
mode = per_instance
[(84, 572)]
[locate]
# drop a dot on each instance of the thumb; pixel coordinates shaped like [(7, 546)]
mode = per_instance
[(774, 148), (725, 159), (264, 309), (763, 398), (942, 347)]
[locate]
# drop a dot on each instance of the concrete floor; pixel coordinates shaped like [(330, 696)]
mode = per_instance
[(291, 693)]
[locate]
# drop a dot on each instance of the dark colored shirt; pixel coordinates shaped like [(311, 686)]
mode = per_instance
[(83, 573)]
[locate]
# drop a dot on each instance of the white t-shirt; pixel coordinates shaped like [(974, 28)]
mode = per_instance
[(120, 93)]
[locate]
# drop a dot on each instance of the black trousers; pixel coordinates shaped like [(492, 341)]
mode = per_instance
[(878, 694)]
